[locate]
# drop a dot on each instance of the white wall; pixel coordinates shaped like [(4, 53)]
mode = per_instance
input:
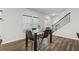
[(48, 22), (59, 16), (69, 30), (11, 29)]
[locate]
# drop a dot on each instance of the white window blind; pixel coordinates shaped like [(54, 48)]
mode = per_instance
[(27, 21), (30, 22), (36, 23)]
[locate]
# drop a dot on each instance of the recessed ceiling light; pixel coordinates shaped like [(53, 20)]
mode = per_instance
[(53, 14)]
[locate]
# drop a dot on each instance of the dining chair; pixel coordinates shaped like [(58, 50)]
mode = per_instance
[(29, 36), (44, 43)]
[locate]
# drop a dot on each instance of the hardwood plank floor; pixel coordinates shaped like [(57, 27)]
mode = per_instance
[(64, 44), (58, 44)]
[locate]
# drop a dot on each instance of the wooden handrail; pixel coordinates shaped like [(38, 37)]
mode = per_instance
[(63, 17)]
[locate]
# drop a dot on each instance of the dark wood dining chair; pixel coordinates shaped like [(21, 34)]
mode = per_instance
[(77, 35), (28, 36), (45, 35), (0, 41)]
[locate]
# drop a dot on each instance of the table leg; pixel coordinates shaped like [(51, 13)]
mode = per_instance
[(35, 42)]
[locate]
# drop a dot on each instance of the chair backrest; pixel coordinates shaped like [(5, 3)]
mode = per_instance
[(47, 28), (46, 33), (77, 35), (0, 41), (29, 35)]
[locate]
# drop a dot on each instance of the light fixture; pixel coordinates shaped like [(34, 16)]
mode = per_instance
[(53, 14)]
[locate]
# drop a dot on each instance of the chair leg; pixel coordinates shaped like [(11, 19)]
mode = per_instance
[(50, 36), (26, 43), (35, 42)]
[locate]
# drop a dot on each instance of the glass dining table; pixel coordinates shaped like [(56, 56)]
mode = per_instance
[(37, 35)]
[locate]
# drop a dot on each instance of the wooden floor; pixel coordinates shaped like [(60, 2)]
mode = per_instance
[(64, 44), (18, 45), (58, 44)]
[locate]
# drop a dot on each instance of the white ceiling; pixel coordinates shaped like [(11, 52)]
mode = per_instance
[(49, 11)]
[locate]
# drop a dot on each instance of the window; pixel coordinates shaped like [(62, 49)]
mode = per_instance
[(27, 23), (46, 23), (1, 14), (31, 22), (36, 23)]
